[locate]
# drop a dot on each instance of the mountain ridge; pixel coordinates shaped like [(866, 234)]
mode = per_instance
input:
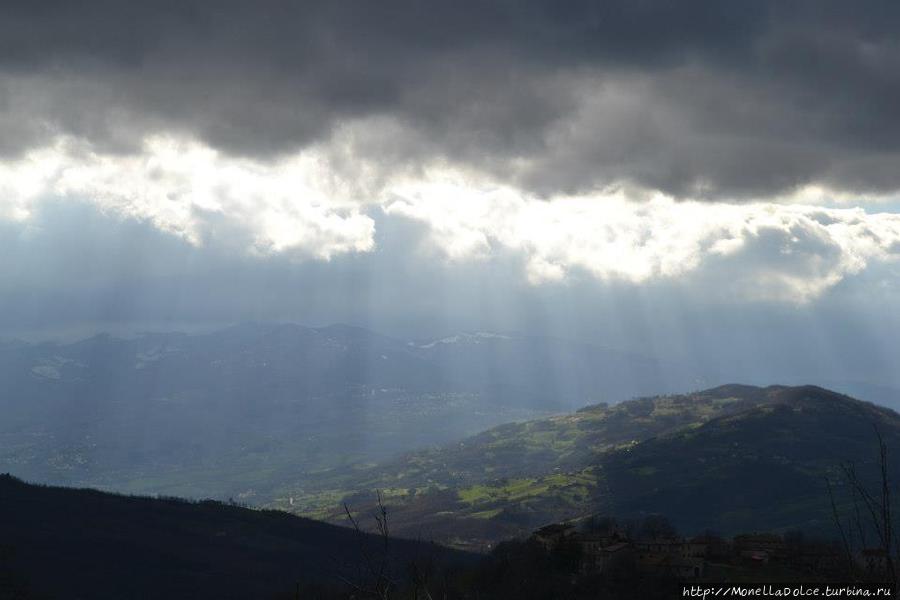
[(84, 543), (239, 410), (682, 455)]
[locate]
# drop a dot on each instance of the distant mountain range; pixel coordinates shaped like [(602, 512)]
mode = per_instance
[(241, 411), (304, 419), (84, 544), (733, 458)]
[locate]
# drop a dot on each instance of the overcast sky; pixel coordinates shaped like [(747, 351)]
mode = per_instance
[(708, 179)]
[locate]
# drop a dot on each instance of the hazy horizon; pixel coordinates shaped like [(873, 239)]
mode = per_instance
[(712, 184)]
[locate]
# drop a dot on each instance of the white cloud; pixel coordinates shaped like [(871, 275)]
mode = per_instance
[(306, 205), (192, 191), (771, 251)]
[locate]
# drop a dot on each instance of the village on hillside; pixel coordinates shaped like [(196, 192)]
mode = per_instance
[(612, 549)]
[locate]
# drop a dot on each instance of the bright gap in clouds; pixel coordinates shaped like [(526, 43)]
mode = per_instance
[(760, 250), (301, 206), (192, 191)]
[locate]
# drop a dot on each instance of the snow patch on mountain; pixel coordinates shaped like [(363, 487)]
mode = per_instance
[(51, 368), (476, 337)]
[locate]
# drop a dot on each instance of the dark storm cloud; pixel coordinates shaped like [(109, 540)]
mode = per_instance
[(705, 98)]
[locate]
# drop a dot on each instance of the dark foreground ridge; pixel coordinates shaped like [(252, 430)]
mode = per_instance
[(75, 543)]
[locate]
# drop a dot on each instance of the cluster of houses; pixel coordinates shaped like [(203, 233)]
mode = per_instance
[(689, 558), (602, 552)]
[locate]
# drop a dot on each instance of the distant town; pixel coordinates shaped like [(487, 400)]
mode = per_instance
[(611, 549)]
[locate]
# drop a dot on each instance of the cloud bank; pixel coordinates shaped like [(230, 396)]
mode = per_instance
[(747, 149), (302, 207), (760, 251), (707, 100), (192, 191)]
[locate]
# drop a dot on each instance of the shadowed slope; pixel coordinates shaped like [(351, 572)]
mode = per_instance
[(70, 543)]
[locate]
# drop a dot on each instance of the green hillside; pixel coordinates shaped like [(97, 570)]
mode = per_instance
[(761, 468), (732, 458)]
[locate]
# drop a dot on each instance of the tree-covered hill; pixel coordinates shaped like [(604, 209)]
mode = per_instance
[(85, 544), (733, 457)]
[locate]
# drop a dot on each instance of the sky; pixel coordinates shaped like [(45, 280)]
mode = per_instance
[(714, 182)]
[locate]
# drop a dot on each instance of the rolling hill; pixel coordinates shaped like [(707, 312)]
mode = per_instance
[(733, 458), (241, 411)]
